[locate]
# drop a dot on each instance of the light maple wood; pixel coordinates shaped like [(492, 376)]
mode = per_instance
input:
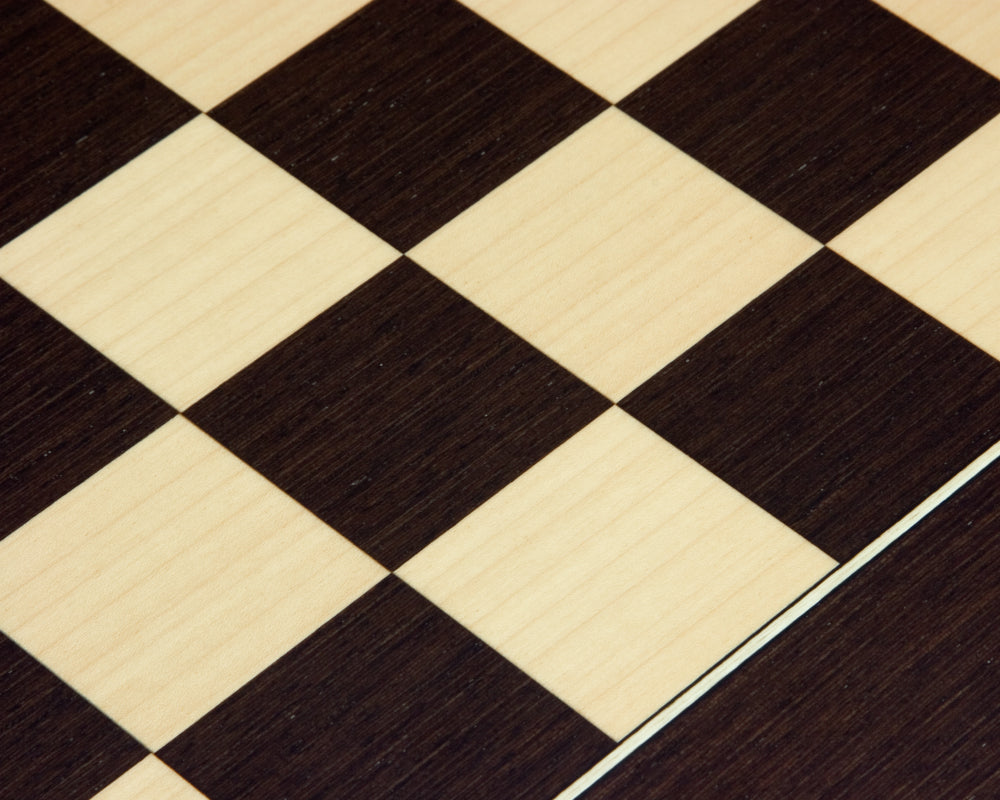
[(616, 571), (206, 51), (150, 779), (936, 240), (192, 260), (611, 46), (170, 578), (614, 252)]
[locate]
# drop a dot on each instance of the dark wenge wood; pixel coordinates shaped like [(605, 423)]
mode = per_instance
[(407, 113), (818, 109), (830, 401), (71, 112), (54, 745), (65, 410), (397, 411), (889, 688), (390, 699)]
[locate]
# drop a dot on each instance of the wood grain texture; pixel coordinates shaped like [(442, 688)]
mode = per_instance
[(887, 689), (830, 401), (207, 51), (391, 699), (569, 570), (170, 578), (192, 260), (616, 571), (43, 722), (819, 109), (936, 240), (614, 252), (610, 46), (971, 28), (65, 410), (397, 411), (150, 779), (401, 135), (71, 112)]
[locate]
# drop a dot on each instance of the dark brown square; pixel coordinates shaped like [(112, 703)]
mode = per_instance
[(54, 745), (65, 410), (830, 401), (397, 411), (71, 112), (818, 109), (407, 113), (390, 699)]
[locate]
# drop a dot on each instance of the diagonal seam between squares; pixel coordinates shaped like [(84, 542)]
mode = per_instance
[(205, 279), (563, 489), (795, 136), (91, 214), (330, 715), (808, 388), (528, 278), (618, 59), (150, 778), (585, 646), (217, 50), (66, 410), (652, 529), (61, 146), (44, 725), (330, 127), (153, 694), (949, 252), (973, 34), (397, 411)]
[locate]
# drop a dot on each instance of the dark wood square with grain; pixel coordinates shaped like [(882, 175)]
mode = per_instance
[(818, 109), (65, 410), (407, 113), (71, 112), (65, 748), (390, 699), (397, 411), (889, 688), (830, 401)]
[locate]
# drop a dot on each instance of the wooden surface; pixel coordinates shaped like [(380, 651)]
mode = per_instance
[(500, 399)]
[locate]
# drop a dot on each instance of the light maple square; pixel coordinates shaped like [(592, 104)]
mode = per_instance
[(170, 578), (611, 46), (614, 252), (207, 51), (616, 571), (192, 260), (935, 241)]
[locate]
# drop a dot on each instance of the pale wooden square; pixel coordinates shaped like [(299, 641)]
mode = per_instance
[(616, 571), (192, 260), (936, 240), (610, 45), (206, 51), (614, 252), (150, 779), (170, 578), (969, 27)]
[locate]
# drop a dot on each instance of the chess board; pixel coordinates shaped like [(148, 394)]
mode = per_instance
[(516, 399)]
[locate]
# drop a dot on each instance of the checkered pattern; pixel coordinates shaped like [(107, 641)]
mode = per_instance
[(409, 399)]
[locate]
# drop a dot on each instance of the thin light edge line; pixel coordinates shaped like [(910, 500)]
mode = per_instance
[(774, 628)]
